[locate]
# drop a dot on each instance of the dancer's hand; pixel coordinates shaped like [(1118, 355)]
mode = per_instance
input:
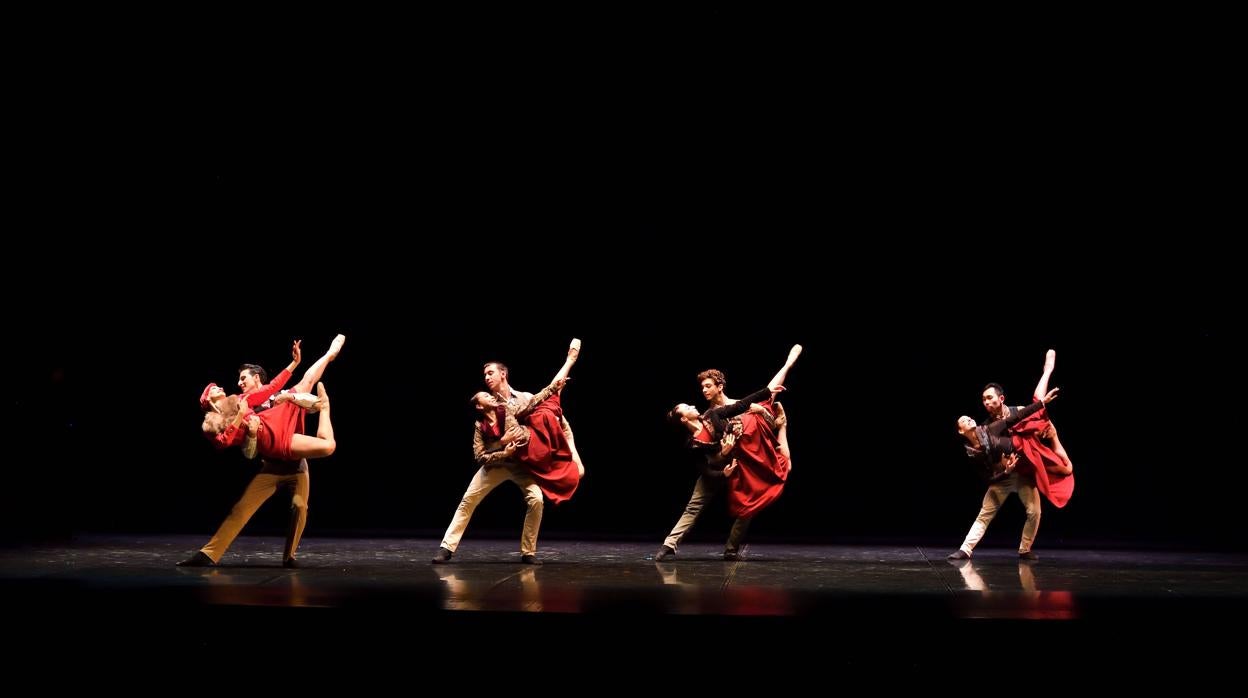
[(1050, 395), (730, 468), (296, 353), (513, 435), (253, 424), (777, 390)]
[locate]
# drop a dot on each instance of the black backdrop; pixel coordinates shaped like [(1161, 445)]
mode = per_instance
[(703, 198), (895, 350)]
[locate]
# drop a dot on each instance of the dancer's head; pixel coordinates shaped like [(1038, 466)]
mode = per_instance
[(712, 381), (495, 375), (211, 395), (683, 413), (966, 425), (483, 401), (994, 399), (251, 377)]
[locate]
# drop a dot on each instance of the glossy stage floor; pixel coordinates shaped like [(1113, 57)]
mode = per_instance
[(901, 606)]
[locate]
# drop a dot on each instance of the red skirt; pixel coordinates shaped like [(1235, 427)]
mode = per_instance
[(762, 469), (547, 456)]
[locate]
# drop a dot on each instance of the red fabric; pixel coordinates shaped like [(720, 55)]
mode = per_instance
[(255, 398), (495, 430), (547, 456), (762, 469), (277, 425), (1036, 455), (264, 392)]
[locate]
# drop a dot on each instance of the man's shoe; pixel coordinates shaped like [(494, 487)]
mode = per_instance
[(959, 555), (1029, 556), (664, 553), (443, 555), (291, 563), (731, 556), (199, 559), (530, 560)]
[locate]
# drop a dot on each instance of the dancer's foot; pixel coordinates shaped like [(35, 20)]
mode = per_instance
[(1050, 361), (574, 349), (336, 346), (199, 559), (795, 352), (323, 397), (307, 401)]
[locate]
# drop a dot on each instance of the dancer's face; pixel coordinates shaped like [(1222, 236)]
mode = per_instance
[(248, 382), (965, 424), (484, 401), (686, 412), (992, 401), (494, 377), (710, 390)]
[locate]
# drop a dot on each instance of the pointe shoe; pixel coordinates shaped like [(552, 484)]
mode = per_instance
[(574, 349), (1050, 360), (336, 346), (795, 352)]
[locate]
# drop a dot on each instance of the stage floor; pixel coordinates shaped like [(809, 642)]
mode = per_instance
[(870, 603)]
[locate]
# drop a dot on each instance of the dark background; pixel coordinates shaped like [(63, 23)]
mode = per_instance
[(690, 190)]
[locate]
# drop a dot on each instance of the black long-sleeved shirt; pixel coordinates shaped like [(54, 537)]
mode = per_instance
[(995, 441)]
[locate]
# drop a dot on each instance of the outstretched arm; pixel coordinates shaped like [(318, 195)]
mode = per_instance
[(542, 395), (1000, 425)]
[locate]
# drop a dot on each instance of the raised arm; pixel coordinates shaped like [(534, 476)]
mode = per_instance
[(542, 395), (725, 412), (1000, 425)]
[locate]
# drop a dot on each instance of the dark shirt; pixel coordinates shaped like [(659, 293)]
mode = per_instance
[(995, 441), (715, 421)]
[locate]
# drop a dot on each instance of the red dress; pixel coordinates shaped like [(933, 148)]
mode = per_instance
[(1036, 455), (547, 456), (762, 469)]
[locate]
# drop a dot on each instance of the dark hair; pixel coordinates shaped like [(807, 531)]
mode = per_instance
[(716, 376), (256, 369), (673, 417), (995, 386), (501, 366)]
